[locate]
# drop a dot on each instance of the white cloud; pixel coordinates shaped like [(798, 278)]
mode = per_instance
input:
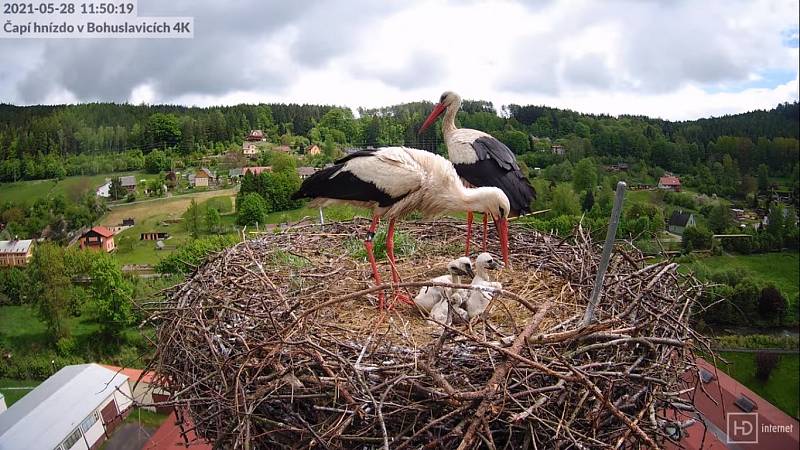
[(676, 60)]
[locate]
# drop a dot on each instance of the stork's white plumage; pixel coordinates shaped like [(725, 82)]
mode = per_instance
[(481, 160), (396, 181)]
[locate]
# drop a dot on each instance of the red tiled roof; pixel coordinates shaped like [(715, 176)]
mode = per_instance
[(256, 170), (717, 398), (670, 181), (132, 374), (168, 436), (102, 231)]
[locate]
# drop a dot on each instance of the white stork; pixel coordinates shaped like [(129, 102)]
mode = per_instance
[(481, 160), (395, 181)]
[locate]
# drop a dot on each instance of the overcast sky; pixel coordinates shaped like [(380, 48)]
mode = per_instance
[(670, 59)]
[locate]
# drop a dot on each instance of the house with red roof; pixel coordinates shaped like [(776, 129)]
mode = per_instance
[(98, 238), (731, 415), (146, 389), (670, 183)]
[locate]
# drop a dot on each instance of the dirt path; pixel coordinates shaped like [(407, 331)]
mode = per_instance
[(172, 206)]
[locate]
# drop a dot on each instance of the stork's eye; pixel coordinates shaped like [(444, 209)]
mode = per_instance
[(502, 212), (441, 99)]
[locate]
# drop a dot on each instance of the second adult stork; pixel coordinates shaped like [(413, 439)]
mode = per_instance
[(481, 160), (396, 181)]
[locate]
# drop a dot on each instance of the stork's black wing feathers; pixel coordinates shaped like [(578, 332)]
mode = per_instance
[(497, 166), (344, 186)]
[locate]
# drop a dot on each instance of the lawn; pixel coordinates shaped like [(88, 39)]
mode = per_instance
[(14, 390), (783, 387), (71, 187), (152, 217), (20, 329), (146, 418), (782, 269)]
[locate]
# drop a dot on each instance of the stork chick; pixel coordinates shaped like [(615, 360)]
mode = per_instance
[(458, 271), (479, 299)]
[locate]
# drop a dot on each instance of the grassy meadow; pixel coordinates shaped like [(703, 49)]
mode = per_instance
[(783, 387)]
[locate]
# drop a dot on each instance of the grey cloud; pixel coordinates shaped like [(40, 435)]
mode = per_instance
[(224, 55), (589, 70), (421, 70), (534, 69), (333, 28)]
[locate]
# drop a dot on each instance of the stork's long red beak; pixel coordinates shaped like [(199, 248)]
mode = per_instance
[(502, 230), (438, 109)]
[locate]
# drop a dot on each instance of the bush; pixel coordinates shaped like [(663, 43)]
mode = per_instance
[(192, 254), (771, 304), (696, 238), (766, 362), (252, 210), (680, 199)]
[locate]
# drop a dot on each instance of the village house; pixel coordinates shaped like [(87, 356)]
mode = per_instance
[(16, 253), (680, 221), (204, 178), (282, 148), (104, 190), (128, 183), (256, 170), (145, 389), (669, 183), (98, 238), (557, 149), (305, 172), (249, 148), (75, 409), (313, 150), (256, 136), (153, 236)]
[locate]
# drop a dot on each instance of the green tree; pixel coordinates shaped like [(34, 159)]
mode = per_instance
[(115, 190), (584, 176), (763, 177), (162, 131), (49, 289), (565, 201), (112, 295), (156, 161), (213, 220), (696, 238), (252, 209), (588, 201), (719, 218), (192, 218)]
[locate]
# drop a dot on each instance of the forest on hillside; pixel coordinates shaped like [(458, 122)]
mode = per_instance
[(718, 153)]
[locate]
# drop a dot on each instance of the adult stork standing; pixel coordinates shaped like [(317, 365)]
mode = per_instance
[(395, 181), (481, 160)]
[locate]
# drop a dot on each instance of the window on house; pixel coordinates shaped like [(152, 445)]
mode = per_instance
[(89, 421), (72, 439), (745, 404)]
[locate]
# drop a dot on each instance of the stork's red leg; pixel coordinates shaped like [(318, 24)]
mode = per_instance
[(371, 256), (390, 254), (485, 230), (469, 230)]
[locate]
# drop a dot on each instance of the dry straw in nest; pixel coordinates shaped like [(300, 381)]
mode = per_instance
[(277, 343)]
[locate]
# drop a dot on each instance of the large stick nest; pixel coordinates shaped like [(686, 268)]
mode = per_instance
[(277, 343)]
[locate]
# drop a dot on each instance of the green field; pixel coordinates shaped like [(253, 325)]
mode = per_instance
[(12, 395), (71, 187), (781, 269), (21, 329), (783, 387)]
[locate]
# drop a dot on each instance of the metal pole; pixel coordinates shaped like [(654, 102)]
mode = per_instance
[(321, 217), (604, 259)]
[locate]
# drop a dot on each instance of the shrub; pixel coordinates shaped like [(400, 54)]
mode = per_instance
[(696, 238), (766, 362), (252, 210), (192, 254), (771, 304)]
